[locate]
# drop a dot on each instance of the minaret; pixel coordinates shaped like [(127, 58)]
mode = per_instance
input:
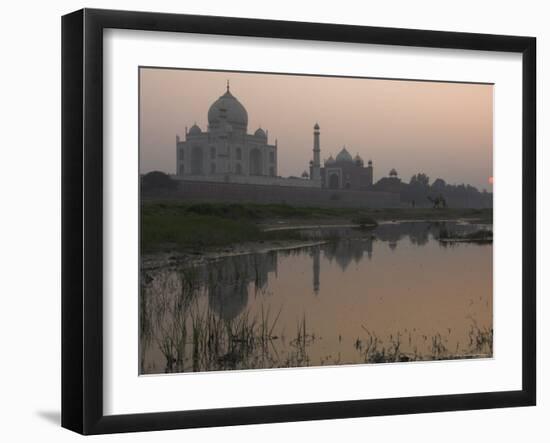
[(316, 164), (370, 175)]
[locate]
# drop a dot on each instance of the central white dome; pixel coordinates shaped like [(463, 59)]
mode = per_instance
[(228, 107)]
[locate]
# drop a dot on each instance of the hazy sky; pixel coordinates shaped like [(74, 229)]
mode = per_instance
[(442, 129)]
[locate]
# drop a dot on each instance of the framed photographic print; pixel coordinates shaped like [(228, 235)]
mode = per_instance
[(269, 221)]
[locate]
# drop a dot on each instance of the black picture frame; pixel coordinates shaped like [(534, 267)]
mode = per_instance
[(82, 218)]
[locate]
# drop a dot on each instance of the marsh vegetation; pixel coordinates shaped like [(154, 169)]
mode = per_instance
[(376, 295), (198, 226)]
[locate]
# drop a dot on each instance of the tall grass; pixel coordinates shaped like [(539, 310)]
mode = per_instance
[(374, 349), (193, 337), (179, 322)]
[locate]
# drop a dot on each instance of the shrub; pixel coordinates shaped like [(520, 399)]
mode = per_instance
[(363, 221), (156, 180)]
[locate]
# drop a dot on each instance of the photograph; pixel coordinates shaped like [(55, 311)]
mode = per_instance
[(304, 220)]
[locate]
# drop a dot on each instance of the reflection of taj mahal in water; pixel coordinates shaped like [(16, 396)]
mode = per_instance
[(226, 152), (229, 281), (228, 295)]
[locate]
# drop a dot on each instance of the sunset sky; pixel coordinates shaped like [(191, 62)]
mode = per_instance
[(442, 129)]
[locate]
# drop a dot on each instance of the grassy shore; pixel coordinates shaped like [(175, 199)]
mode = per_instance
[(166, 226), (186, 226)]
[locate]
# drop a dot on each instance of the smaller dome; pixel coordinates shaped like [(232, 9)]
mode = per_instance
[(358, 160), (393, 173), (329, 160), (344, 156), (260, 133), (316, 127), (305, 174), (195, 130), (370, 162)]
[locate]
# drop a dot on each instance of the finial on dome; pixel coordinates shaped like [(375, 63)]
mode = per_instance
[(227, 85)]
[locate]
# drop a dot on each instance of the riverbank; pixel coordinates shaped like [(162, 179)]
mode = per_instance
[(171, 259), (202, 228)]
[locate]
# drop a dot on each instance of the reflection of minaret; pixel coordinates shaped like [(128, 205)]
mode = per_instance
[(316, 254), (369, 246)]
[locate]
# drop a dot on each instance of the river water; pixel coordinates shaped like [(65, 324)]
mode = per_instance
[(391, 294)]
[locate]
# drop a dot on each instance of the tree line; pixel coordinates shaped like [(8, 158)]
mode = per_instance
[(419, 192)]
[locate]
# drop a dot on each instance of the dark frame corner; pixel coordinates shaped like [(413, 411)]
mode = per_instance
[(82, 151)]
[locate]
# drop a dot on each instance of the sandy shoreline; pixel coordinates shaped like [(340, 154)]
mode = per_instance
[(281, 226), (170, 259)]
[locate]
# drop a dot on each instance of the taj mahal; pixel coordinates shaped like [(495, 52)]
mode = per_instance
[(226, 153)]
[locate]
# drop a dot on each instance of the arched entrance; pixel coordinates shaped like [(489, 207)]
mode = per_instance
[(334, 181), (255, 162), (197, 161)]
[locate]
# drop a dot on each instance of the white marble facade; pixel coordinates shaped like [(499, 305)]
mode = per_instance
[(225, 148)]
